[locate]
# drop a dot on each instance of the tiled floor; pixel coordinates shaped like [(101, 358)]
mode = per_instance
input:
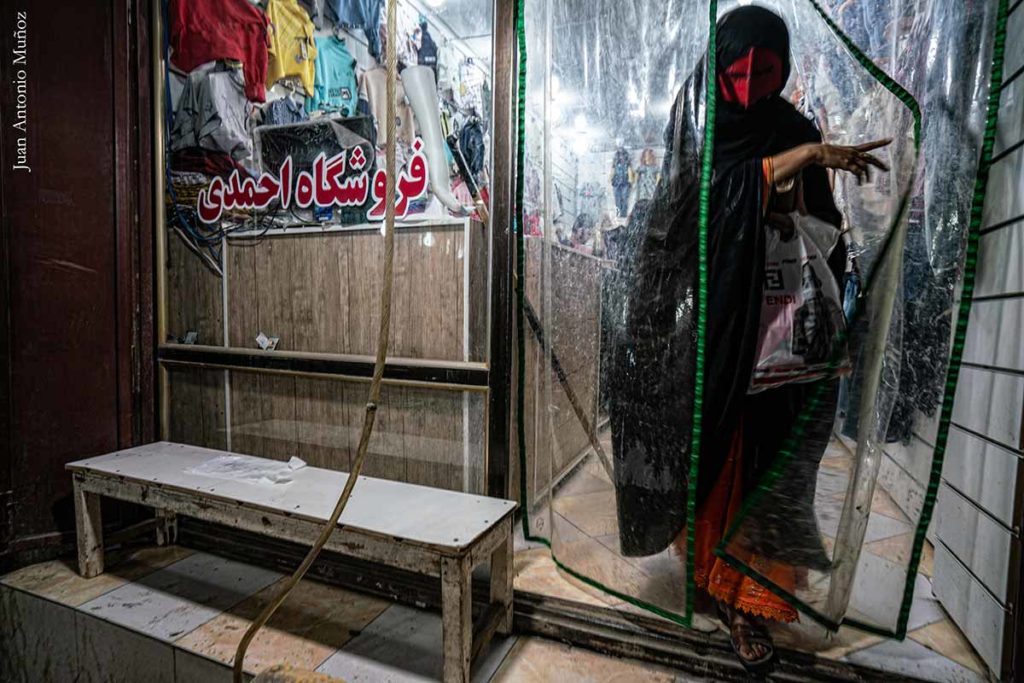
[(585, 539), (168, 615)]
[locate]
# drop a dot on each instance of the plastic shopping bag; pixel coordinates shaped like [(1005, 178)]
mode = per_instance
[(801, 313)]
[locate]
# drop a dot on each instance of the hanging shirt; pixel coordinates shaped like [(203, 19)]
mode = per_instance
[(213, 113), (471, 142), (426, 49), (405, 48), (469, 90), (315, 8), (207, 30), (361, 14), (284, 110), (335, 88), (373, 88), (292, 49)]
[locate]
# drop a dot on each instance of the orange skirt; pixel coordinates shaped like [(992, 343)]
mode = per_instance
[(712, 573)]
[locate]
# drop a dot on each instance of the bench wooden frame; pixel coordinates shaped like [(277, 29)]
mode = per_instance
[(453, 565)]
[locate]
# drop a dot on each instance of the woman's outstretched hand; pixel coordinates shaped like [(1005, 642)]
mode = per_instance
[(852, 158)]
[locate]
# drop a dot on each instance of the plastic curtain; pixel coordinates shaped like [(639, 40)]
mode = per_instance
[(648, 465)]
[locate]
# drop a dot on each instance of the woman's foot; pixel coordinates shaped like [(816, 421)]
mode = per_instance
[(750, 639)]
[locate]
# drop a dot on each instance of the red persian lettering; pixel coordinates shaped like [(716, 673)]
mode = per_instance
[(324, 187)]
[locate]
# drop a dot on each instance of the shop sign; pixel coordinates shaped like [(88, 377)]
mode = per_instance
[(322, 188)]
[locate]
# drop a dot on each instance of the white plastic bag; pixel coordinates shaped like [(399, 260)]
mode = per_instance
[(802, 312), (249, 469)]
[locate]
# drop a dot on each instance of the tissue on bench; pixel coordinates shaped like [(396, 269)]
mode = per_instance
[(248, 468)]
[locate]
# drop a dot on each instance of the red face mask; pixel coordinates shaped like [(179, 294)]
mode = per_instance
[(751, 78)]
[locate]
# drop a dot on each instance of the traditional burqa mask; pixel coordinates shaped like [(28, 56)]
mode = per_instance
[(753, 56)]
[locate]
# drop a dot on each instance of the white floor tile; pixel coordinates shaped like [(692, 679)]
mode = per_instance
[(169, 603), (912, 659)]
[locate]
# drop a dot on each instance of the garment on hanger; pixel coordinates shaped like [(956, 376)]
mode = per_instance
[(206, 162), (471, 141), (469, 90), (373, 88), (316, 11), (282, 111), (361, 14), (426, 48), (292, 49), (213, 112), (335, 88), (404, 31), (207, 30)]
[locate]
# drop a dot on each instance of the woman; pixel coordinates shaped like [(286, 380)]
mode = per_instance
[(647, 174), (768, 160)]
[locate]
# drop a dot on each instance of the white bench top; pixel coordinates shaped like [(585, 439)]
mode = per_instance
[(418, 514)]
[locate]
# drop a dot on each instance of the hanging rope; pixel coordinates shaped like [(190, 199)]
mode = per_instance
[(378, 369)]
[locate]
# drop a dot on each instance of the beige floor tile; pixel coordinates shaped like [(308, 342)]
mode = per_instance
[(593, 513), (594, 468), (59, 580), (837, 463), (533, 660), (946, 639), (312, 624), (883, 504), (896, 549), (927, 566), (536, 572)]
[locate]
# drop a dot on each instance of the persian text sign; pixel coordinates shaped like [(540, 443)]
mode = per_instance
[(322, 188)]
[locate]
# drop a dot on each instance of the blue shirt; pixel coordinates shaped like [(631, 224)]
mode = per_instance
[(335, 88), (364, 14)]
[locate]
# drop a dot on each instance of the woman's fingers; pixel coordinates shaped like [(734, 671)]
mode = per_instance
[(875, 161), (868, 146)]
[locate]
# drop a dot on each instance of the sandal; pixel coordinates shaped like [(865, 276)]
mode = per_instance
[(750, 633)]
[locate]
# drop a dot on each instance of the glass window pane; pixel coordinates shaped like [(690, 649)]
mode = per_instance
[(433, 437), (304, 266)]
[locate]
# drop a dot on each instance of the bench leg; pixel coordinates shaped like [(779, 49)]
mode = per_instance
[(89, 526), (166, 528), (501, 580), (456, 618)]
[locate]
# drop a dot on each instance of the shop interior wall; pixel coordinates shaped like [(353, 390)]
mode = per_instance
[(320, 293), (75, 340)]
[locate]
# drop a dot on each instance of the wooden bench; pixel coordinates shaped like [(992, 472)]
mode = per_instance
[(420, 529)]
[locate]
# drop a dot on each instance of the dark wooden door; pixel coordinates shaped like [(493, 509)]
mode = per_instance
[(75, 337)]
